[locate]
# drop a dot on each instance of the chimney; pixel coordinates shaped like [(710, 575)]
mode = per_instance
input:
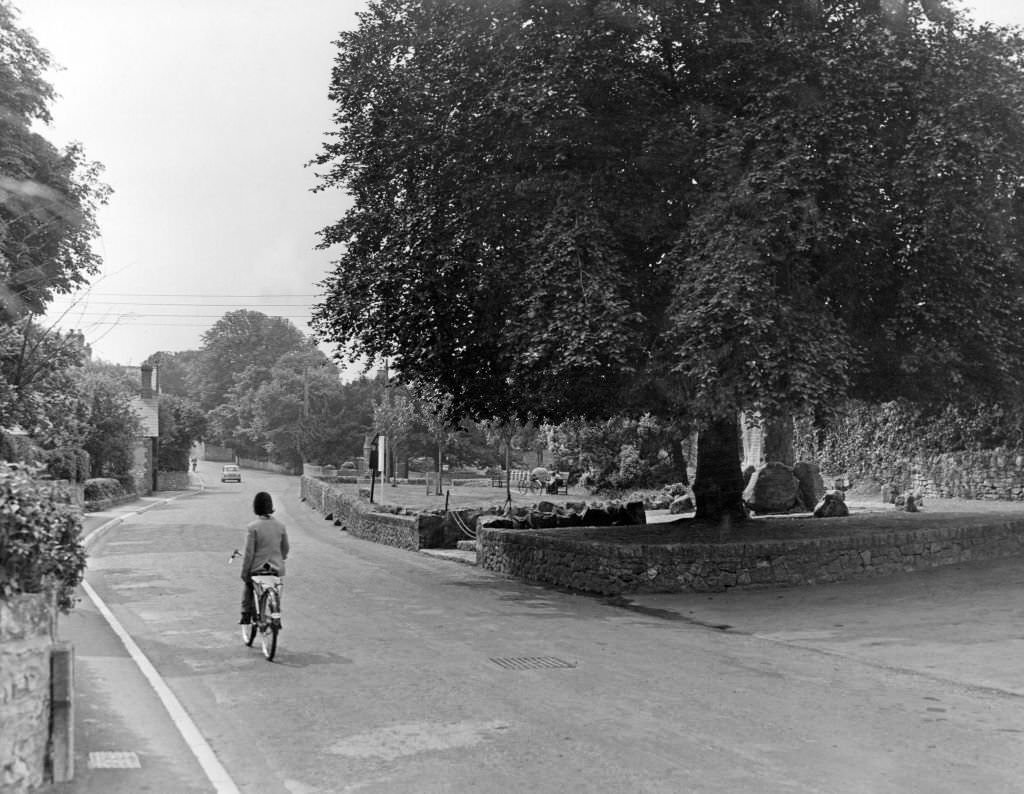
[(147, 380)]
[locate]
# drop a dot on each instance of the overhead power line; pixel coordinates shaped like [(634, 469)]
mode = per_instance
[(180, 315), (90, 295), (197, 305)]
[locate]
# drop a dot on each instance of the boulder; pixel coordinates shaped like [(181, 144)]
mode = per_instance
[(812, 486), (568, 518), (831, 505), (909, 501), (595, 516), (634, 513), (495, 522), (681, 504), (773, 488)]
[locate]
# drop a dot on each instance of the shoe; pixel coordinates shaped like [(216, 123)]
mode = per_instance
[(246, 619)]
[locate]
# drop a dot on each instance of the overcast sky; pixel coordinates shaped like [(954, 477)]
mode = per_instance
[(204, 113)]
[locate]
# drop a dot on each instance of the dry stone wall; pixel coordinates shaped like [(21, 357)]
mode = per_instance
[(172, 480), (983, 474), (411, 532), (563, 558), (27, 628)]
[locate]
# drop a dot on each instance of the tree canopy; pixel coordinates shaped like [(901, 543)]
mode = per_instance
[(239, 341), (48, 197), (585, 208)]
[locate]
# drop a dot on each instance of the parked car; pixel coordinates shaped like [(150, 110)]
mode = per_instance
[(230, 473)]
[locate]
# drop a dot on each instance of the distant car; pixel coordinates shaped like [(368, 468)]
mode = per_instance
[(230, 473)]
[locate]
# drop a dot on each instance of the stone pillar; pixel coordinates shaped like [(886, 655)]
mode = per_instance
[(27, 629), (778, 441)]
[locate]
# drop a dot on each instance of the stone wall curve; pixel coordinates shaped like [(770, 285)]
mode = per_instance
[(560, 557)]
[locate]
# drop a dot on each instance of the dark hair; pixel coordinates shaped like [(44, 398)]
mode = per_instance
[(263, 505)]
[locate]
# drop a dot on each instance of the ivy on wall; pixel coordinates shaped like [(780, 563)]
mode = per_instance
[(893, 442)]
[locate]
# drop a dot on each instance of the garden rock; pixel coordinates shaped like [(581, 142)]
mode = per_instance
[(681, 504), (832, 505), (909, 501), (812, 486), (635, 513), (773, 488)]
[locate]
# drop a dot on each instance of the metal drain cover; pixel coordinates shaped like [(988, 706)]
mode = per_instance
[(114, 759), (531, 662)]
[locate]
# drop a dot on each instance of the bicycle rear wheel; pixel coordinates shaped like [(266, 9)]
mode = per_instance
[(249, 633), (270, 624)]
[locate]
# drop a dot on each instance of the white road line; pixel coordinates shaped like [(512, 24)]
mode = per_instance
[(215, 771)]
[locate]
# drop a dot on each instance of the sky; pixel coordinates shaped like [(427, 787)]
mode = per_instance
[(205, 114)]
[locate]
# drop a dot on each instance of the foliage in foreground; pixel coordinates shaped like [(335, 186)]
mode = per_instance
[(40, 539)]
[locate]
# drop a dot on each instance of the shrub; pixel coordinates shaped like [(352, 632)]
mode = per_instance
[(40, 540), (633, 470), (68, 463), (99, 488)]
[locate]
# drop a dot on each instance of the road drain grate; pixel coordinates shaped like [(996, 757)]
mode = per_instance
[(531, 662), (114, 759)]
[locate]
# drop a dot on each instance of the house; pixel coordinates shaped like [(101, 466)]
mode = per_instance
[(144, 467)]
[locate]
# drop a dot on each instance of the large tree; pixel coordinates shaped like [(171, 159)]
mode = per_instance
[(567, 208), (241, 344), (48, 197)]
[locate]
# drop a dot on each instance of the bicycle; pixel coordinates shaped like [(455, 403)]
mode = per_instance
[(266, 621), (529, 485)]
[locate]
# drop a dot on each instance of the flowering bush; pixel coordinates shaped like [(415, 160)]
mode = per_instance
[(40, 539)]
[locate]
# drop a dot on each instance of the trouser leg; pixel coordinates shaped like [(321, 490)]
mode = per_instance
[(247, 606)]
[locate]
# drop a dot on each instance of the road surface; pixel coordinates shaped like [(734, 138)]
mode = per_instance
[(400, 672)]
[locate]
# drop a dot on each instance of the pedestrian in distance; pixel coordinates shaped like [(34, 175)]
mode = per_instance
[(266, 549)]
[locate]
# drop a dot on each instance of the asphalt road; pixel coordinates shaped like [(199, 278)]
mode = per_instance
[(395, 674)]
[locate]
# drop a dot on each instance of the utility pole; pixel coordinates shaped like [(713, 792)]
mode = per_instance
[(389, 455), (305, 414)]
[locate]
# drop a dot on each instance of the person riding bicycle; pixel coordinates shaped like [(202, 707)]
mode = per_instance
[(266, 549)]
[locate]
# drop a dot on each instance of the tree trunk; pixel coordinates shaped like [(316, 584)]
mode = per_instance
[(508, 472), (778, 441), (440, 466), (679, 460), (718, 484)]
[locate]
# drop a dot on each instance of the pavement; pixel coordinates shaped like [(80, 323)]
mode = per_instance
[(112, 685), (961, 624)]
